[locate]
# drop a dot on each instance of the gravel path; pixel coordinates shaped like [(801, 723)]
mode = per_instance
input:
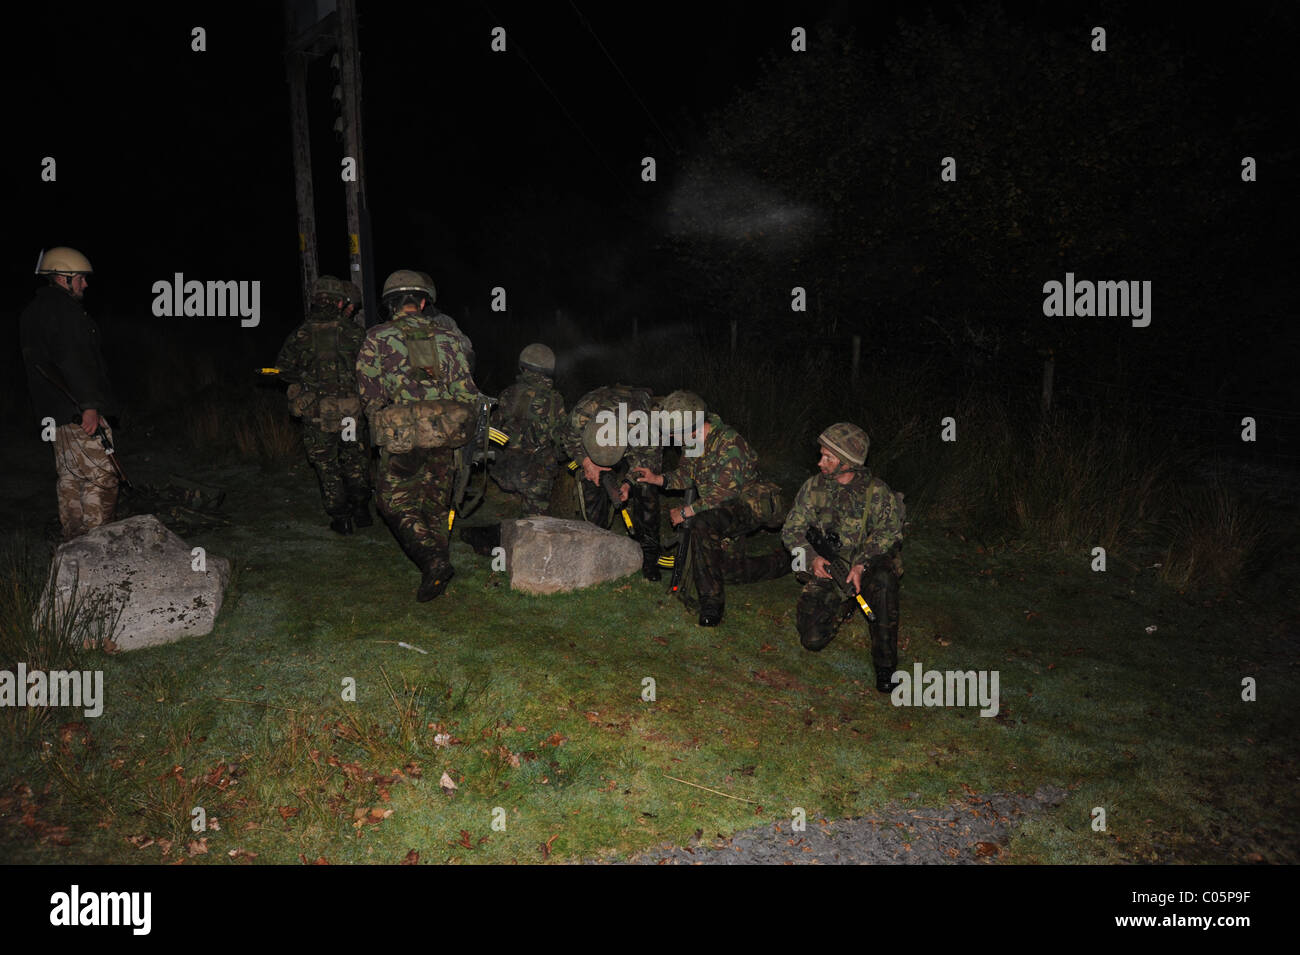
[(971, 832)]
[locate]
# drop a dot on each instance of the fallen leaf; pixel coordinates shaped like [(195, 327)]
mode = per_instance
[(197, 847), (448, 786), (986, 849), (412, 858)]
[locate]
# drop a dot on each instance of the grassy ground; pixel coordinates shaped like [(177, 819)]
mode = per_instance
[(533, 708)]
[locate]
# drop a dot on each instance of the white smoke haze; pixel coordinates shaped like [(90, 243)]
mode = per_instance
[(736, 207)]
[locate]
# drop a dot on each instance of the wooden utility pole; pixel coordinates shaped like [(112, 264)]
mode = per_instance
[(314, 29), (309, 268), (354, 191)]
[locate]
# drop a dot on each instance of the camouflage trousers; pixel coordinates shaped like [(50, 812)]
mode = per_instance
[(414, 496), (822, 610), (531, 476), (643, 504), (342, 467), (718, 553), (87, 484)]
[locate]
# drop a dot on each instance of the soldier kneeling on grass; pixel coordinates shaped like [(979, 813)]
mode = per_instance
[(863, 519), (531, 413), (732, 502)]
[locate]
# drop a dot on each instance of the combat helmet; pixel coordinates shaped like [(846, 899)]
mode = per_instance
[(537, 357), (601, 453), (847, 442), (327, 288), (689, 405), (408, 281), (62, 260)]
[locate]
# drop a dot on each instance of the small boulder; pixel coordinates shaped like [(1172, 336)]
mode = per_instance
[(547, 555), (147, 575)]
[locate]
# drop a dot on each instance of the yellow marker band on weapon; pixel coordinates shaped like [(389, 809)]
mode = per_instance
[(451, 519), (268, 371), (627, 519), (667, 560), (865, 609), (573, 465), (499, 437)]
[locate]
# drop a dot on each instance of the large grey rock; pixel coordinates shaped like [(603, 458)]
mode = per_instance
[(546, 555), (145, 573)]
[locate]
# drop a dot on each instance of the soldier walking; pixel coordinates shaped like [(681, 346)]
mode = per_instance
[(318, 359), (866, 517), (414, 374)]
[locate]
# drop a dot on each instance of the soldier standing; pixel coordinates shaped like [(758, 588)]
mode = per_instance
[(417, 358), (318, 359), (732, 502), (577, 440), (532, 414), (867, 517), (69, 383)]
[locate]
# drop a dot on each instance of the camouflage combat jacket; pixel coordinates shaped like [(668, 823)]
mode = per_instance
[(720, 472), (414, 358), (532, 413), (865, 513), (606, 398), (321, 353)]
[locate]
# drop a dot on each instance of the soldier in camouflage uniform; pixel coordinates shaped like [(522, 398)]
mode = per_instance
[(868, 518), (719, 464), (318, 359), (420, 355), (576, 440), (532, 414)]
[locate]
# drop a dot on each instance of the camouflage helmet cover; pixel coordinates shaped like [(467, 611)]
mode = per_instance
[(407, 280), (847, 442), (687, 402), (689, 405), (61, 260), (538, 357), (601, 453), (331, 289)]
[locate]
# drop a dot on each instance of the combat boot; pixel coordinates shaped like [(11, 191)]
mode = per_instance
[(434, 577), (710, 611), (360, 507), (340, 521)]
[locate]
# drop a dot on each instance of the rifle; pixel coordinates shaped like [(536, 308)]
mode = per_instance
[(55, 377), (677, 561), (478, 445), (607, 482), (828, 547)]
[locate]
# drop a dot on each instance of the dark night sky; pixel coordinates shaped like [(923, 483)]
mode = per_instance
[(171, 160)]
